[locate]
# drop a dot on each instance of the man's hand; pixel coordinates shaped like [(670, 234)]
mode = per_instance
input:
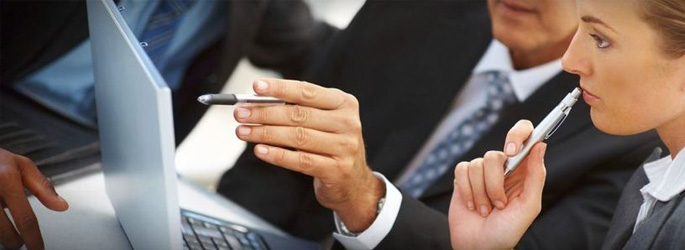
[(480, 184), (16, 173), (318, 133)]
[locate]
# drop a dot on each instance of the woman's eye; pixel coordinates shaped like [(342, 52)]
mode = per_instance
[(601, 43)]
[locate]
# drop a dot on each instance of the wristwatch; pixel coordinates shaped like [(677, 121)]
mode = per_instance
[(346, 232)]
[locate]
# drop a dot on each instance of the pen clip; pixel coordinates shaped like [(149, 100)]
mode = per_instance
[(556, 127)]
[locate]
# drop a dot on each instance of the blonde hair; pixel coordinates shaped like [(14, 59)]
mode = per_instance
[(667, 17)]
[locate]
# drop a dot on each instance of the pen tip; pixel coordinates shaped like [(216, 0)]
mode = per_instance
[(203, 99)]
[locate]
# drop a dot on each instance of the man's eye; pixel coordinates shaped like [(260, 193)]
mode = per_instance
[(601, 42)]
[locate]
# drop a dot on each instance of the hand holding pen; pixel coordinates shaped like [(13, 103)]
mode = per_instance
[(315, 131), (480, 184), (491, 181)]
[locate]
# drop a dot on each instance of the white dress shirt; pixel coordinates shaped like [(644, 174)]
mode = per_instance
[(472, 97), (666, 180)]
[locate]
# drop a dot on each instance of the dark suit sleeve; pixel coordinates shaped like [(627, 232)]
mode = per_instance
[(288, 38), (417, 227)]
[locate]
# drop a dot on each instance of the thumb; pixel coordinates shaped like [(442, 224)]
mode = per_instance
[(40, 186), (535, 176)]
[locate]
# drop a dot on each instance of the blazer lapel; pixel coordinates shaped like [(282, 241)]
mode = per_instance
[(547, 96), (432, 100), (647, 232), (623, 221)]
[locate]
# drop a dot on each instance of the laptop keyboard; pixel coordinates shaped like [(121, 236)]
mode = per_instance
[(199, 234)]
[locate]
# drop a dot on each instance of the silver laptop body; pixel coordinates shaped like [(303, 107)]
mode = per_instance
[(136, 132)]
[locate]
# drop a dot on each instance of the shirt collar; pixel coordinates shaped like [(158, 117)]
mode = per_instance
[(524, 82), (666, 177)]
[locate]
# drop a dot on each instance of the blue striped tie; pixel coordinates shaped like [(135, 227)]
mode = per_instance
[(464, 135), (161, 27)]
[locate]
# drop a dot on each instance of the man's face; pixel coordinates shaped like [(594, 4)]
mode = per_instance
[(532, 25)]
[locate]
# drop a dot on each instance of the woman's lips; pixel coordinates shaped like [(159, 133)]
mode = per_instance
[(516, 7), (589, 97)]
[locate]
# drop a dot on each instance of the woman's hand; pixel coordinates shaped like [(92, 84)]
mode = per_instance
[(16, 173), (480, 185)]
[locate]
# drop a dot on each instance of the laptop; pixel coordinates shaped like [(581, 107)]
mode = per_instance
[(137, 143)]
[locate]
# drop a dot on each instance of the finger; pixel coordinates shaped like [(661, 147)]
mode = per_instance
[(480, 196), (310, 164), (462, 183), (302, 93), (40, 186), (8, 236), (291, 115), (493, 167), (518, 134), (23, 216), (298, 137), (535, 179)]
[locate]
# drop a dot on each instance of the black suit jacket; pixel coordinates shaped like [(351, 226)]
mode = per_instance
[(276, 34), (406, 61)]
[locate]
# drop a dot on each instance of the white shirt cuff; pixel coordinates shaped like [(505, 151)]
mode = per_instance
[(380, 227)]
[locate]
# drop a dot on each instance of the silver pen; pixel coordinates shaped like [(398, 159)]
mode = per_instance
[(544, 130), (233, 99)]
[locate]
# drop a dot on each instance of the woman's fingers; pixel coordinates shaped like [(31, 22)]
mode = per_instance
[(480, 196), (493, 167), (518, 134), (535, 178), (463, 185)]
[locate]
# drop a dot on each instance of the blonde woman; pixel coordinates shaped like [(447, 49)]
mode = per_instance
[(630, 56)]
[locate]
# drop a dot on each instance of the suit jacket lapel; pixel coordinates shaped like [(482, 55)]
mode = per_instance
[(547, 96), (431, 101), (647, 232), (623, 221)]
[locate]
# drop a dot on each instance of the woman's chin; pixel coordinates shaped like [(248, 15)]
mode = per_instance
[(614, 126)]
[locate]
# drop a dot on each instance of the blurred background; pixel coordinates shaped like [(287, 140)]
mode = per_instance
[(212, 147)]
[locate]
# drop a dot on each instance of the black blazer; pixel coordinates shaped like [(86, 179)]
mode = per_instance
[(277, 34), (406, 61), (663, 229)]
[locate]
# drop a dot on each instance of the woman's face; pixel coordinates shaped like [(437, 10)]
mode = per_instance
[(631, 85)]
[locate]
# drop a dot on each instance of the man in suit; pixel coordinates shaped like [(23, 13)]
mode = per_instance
[(432, 89), (41, 39)]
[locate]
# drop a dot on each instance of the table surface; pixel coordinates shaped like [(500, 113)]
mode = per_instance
[(90, 222)]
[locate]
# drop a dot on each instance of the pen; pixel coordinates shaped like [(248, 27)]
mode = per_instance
[(233, 99), (544, 130)]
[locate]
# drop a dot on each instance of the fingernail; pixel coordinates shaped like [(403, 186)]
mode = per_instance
[(262, 85), (483, 210), (499, 204), (244, 130), (511, 148), (470, 205), (242, 112), (262, 150), (61, 199)]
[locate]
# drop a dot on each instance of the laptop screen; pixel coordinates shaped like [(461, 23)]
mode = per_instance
[(136, 132)]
